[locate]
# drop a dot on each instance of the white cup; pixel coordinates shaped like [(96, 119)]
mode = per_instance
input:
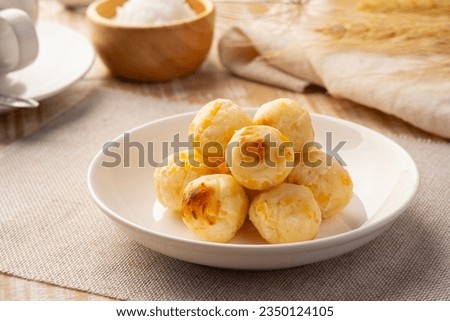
[(29, 6), (18, 39)]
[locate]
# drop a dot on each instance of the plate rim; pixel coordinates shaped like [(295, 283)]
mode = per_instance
[(322, 243)]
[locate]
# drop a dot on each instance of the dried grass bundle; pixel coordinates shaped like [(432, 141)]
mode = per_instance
[(392, 27), (423, 7)]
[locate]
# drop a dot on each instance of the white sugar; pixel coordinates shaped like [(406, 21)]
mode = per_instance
[(153, 12)]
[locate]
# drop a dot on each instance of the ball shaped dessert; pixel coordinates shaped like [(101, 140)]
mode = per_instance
[(214, 125), (330, 183), (214, 207), (181, 168), (286, 213), (260, 157), (288, 117)]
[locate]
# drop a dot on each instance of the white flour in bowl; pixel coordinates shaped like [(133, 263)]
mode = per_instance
[(153, 12)]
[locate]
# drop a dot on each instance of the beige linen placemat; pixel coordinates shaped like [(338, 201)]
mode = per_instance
[(50, 229)]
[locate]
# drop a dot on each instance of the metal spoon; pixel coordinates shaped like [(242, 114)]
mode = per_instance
[(16, 102)]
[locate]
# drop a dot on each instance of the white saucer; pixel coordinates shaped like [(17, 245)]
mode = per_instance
[(384, 175), (64, 57)]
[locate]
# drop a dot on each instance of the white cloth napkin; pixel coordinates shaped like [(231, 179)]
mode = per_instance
[(293, 56)]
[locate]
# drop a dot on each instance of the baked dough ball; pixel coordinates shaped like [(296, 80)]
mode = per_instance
[(215, 123), (214, 207), (330, 183), (260, 157), (288, 117), (286, 213), (170, 180)]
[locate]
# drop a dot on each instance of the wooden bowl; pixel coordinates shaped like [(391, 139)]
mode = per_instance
[(148, 52)]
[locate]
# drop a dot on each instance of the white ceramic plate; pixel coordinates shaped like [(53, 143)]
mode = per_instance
[(64, 57), (385, 180)]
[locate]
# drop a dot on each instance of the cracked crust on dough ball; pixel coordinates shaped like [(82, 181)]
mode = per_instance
[(288, 117), (215, 124), (170, 180), (330, 183), (286, 213), (260, 157), (214, 207)]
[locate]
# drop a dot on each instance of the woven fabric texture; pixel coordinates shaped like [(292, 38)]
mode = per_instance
[(51, 230)]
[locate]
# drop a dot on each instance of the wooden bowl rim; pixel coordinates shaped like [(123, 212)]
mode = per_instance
[(96, 18)]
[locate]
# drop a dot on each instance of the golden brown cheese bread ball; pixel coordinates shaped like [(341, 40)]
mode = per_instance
[(259, 157), (215, 123), (170, 180), (214, 207), (286, 213), (288, 117), (330, 183)]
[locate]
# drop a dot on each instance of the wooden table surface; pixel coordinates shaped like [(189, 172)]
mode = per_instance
[(210, 82)]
